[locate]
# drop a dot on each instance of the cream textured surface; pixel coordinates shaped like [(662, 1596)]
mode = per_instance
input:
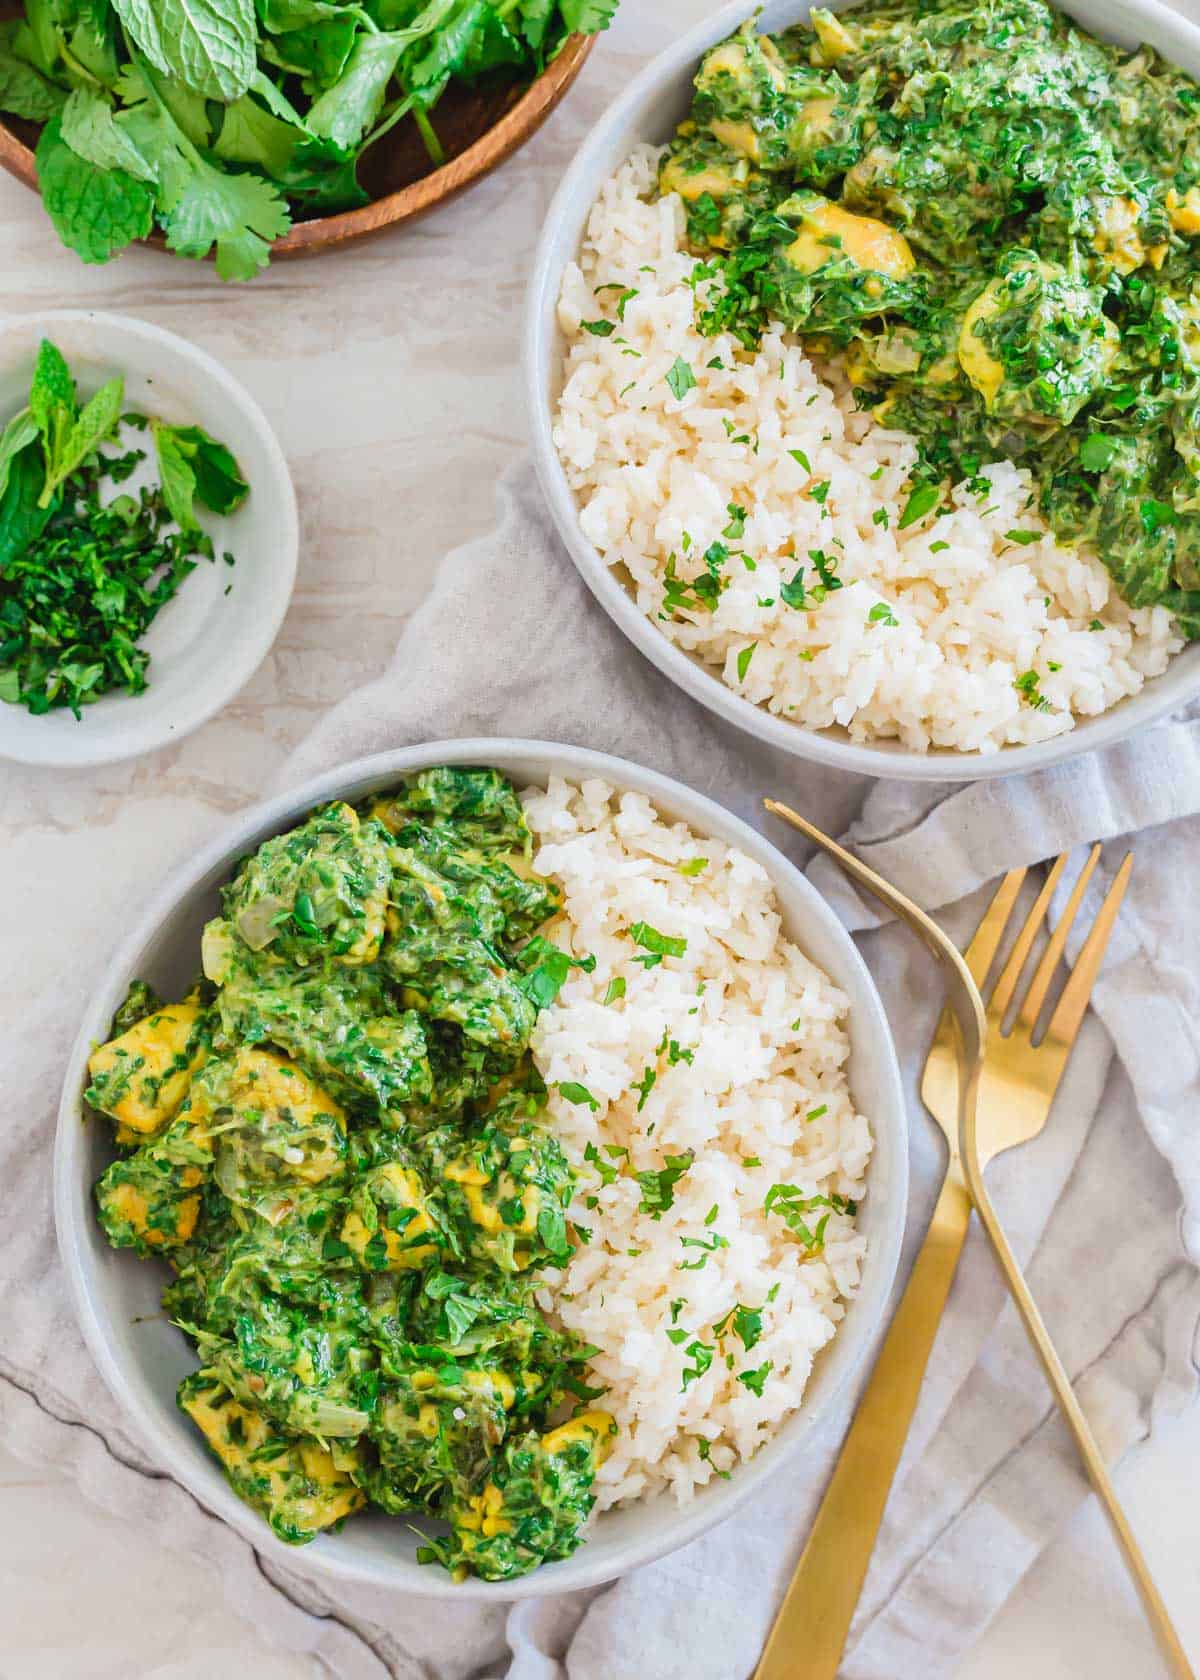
[(390, 374)]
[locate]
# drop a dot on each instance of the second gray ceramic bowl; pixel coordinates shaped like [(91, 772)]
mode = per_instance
[(142, 1357), (648, 111)]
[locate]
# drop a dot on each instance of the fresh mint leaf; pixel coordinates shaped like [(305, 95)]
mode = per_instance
[(96, 423), (192, 465), (24, 91), (92, 133), (97, 212), (21, 431), (22, 518), (208, 45)]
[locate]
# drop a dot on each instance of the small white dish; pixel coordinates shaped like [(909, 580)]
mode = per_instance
[(206, 643), (647, 112), (143, 1358)]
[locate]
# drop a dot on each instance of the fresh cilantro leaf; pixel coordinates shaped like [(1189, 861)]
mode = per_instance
[(743, 660), (1024, 538), (692, 866), (89, 129), (599, 329), (615, 989), (552, 1229), (588, 17), (1096, 452), (801, 459), (881, 613)]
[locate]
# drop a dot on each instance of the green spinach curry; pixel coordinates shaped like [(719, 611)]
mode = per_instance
[(337, 1142), (993, 220)]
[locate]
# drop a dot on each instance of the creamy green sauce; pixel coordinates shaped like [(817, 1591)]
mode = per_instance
[(338, 1143), (993, 220)]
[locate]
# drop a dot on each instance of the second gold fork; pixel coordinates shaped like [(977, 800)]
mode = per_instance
[(820, 1602)]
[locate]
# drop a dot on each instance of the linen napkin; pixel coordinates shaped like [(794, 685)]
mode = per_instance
[(1104, 1208)]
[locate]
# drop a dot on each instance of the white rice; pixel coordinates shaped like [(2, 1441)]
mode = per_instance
[(656, 475), (763, 1101)]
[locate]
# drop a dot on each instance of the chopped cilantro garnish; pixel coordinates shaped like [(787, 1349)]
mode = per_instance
[(922, 500), (754, 1380), (680, 378), (575, 1093), (657, 945), (658, 1185)]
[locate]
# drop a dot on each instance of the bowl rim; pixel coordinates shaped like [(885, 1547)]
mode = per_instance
[(72, 1196), (519, 123), (541, 361), (203, 703)]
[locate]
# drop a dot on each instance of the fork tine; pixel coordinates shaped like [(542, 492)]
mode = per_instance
[(1006, 985), (980, 952), (1036, 995), (1072, 1005)]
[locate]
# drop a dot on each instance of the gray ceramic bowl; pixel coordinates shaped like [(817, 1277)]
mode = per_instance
[(142, 1358), (208, 642), (648, 110)]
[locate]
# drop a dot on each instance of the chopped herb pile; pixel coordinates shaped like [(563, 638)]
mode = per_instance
[(84, 574), (222, 121)]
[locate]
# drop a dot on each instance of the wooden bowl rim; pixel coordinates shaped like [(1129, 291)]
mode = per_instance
[(497, 143)]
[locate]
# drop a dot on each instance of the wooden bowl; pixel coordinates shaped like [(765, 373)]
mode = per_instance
[(479, 126)]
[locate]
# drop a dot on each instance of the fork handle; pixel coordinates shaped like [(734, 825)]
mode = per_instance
[(1170, 1648), (816, 1612)]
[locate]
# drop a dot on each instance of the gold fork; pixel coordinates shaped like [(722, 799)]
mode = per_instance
[(1014, 1086)]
